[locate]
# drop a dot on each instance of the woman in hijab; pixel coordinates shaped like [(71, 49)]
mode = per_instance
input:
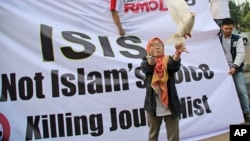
[(161, 100)]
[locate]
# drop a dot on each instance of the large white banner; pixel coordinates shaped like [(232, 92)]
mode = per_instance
[(66, 74)]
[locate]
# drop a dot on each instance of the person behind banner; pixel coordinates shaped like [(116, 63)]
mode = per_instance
[(161, 100), (219, 10), (113, 7), (234, 51)]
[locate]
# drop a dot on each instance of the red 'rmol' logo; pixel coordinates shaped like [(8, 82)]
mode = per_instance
[(146, 6)]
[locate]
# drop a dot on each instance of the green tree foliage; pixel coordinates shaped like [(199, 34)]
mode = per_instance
[(240, 13)]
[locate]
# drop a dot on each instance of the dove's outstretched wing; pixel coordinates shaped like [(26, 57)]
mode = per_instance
[(178, 10), (180, 14)]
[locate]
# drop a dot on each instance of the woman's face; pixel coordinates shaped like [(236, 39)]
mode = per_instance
[(156, 48)]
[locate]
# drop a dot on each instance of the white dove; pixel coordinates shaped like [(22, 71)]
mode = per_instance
[(183, 18)]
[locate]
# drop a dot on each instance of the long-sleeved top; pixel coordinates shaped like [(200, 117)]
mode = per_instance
[(150, 98), (234, 50)]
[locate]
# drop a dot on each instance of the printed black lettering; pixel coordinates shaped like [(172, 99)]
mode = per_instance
[(46, 42), (126, 119), (25, 86), (66, 123), (70, 89), (141, 77), (8, 87), (194, 107), (123, 42), (105, 44), (70, 53)]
